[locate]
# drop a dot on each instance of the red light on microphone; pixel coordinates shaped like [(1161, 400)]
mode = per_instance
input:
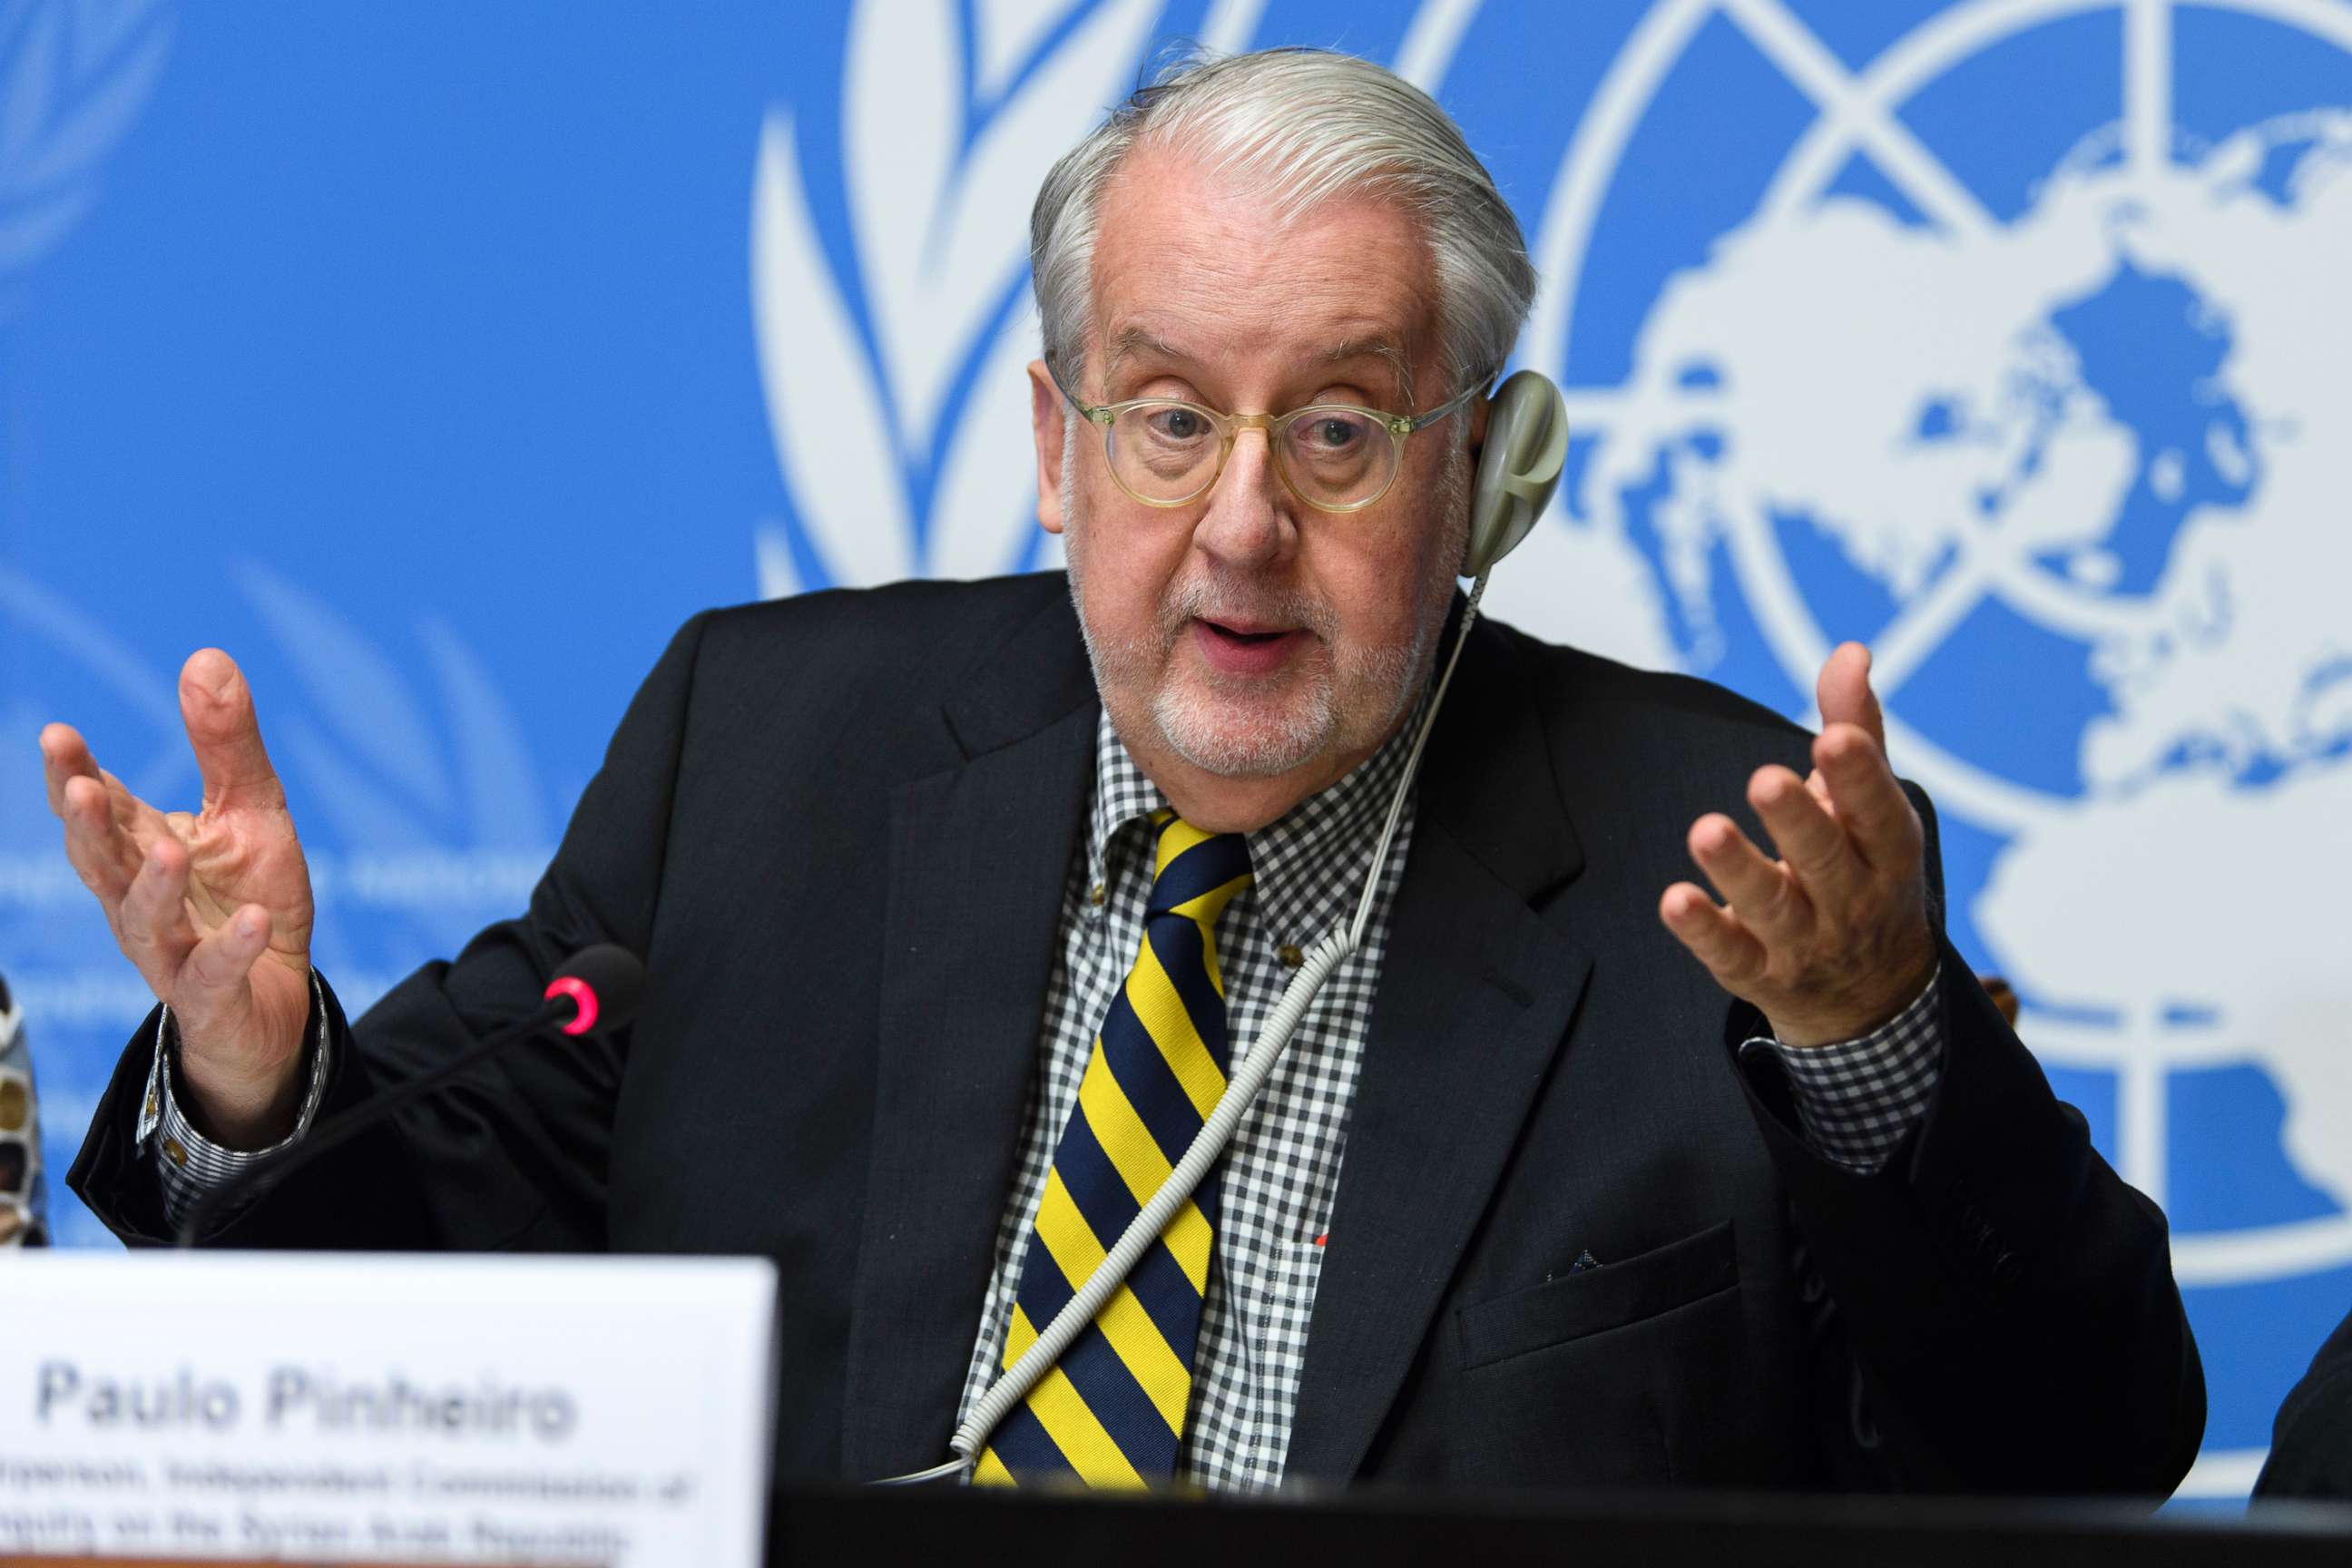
[(583, 999)]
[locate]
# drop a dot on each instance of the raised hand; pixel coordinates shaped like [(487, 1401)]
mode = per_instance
[(1832, 939), (214, 910)]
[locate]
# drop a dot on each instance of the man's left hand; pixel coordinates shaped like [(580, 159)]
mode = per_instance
[(1832, 939)]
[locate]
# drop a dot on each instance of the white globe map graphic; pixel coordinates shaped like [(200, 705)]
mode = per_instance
[(1940, 404)]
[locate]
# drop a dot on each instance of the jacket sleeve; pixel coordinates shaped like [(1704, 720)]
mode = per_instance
[(513, 1154), (1998, 1311), (2310, 1442)]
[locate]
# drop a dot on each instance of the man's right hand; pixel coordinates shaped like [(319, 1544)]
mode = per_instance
[(213, 909)]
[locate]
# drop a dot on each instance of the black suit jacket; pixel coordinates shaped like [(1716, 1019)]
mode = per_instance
[(2311, 1441), (838, 826)]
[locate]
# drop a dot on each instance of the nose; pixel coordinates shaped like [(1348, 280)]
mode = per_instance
[(1248, 523)]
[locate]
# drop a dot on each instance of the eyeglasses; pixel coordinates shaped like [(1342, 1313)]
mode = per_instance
[(1335, 456)]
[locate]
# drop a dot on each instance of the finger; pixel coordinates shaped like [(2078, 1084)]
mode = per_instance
[(1713, 935), (102, 854), (1810, 840), (1844, 695), (65, 756), (107, 804), (1760, 892), (212, 980), (1871, 806), (217, 707), (156, 932)]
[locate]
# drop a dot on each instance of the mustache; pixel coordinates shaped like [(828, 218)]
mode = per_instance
[(1208, 599)]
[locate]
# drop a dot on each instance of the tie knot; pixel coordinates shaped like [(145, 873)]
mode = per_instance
[(1195, 874)]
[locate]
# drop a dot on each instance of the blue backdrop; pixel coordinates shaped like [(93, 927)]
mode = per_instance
[(438, 360)]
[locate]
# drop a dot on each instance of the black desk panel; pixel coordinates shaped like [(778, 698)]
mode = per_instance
[(948, 1525)]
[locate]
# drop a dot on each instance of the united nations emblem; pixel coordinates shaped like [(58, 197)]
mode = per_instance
[(2057, 440)]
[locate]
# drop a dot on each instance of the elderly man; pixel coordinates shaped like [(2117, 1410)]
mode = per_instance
[(960, 902)]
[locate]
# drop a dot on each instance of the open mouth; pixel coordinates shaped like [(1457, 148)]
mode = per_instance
[(1246, 650)]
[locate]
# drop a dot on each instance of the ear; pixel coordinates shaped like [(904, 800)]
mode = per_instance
[(1048, 423), (1480, 407)]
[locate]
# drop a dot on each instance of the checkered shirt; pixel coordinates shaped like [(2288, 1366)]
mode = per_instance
[(1857, 1098), (1281, 1172), (190, 1164)]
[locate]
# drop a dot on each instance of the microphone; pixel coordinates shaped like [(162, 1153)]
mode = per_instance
[(595, 990)]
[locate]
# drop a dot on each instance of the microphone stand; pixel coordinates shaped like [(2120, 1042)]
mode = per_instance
[(263, 1175)]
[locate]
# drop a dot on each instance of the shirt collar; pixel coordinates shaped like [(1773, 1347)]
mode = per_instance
[(1308, 864)]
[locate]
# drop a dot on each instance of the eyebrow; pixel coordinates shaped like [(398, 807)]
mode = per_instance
[(1381, 347), (1129, 342), (1134, 341)]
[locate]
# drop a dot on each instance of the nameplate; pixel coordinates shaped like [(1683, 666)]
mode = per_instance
[(336, 1407)]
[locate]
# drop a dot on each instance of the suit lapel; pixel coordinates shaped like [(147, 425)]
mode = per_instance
[(978, 857), (1475, 996)]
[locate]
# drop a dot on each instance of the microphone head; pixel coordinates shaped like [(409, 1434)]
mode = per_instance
[(602, 984)]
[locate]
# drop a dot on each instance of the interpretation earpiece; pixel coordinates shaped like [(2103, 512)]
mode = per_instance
[(1526, 446)]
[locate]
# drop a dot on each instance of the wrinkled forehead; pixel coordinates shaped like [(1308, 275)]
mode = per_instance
[(1190, 264)]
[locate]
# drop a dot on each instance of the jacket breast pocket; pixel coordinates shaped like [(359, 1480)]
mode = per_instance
[(1576, 1306)]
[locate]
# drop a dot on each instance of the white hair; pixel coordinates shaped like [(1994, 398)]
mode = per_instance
[(1304, 126)]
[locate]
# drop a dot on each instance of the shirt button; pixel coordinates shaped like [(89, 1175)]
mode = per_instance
[(175, 1152), (1095, 894), (1290, 955)]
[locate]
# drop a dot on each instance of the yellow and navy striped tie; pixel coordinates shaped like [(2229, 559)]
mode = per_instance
[(1111, 1412)]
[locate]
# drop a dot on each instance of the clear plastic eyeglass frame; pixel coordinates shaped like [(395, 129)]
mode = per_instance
[(1278, 426)]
